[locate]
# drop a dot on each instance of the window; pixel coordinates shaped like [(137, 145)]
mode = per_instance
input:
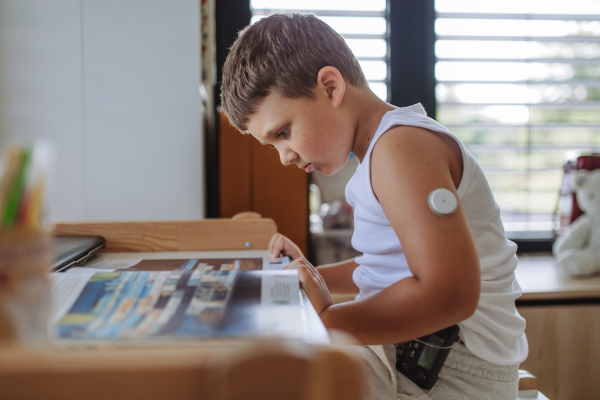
[(362, 24), (519, 83)]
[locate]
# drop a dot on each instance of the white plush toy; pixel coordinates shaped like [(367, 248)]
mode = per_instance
[(578, 251)]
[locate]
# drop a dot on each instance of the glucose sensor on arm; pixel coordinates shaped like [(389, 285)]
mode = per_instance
[(442, 202)]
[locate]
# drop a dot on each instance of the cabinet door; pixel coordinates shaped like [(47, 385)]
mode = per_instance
[(252, 178), (564, 351)]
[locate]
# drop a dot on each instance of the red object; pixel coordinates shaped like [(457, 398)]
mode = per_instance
[(567, 209)]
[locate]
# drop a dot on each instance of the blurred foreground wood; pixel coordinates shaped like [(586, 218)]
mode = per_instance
[(210, 370), (226, 371)]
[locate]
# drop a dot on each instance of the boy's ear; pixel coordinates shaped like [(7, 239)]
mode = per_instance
[(330, 81)]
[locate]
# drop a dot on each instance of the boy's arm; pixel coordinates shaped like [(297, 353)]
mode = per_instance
[(407, 164), (338, 276)]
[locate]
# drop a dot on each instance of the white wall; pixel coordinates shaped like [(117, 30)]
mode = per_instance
[(114, 83)]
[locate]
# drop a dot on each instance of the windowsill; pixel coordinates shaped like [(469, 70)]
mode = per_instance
[(533, 245), (525, 245)]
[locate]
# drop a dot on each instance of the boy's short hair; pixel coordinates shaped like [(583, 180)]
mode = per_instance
[(284, 53)]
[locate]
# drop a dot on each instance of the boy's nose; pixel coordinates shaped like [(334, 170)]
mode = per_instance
[(287, 157)]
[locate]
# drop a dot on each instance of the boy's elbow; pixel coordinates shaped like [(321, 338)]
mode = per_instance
[(469, 306), (466, 302), (461, 302)]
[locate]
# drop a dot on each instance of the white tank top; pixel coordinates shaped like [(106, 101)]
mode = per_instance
[(496, 331)]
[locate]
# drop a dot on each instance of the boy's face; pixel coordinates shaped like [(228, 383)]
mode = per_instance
[(313, 134)]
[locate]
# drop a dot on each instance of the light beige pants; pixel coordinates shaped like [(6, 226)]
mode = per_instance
[(463, 376)]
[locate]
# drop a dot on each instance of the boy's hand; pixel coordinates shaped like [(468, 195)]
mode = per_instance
[(313, 284), (279, 244)]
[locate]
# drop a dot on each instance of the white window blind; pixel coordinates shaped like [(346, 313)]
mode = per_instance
[(519, 83), (362, 24)]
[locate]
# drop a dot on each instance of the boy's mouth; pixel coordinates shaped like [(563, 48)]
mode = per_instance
[(308, 168)]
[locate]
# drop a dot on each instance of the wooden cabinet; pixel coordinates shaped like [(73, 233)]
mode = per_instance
[(564, 350), (252, 178), (563, 328)]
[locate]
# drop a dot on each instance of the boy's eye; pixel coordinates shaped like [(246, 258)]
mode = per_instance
[(283, 133)]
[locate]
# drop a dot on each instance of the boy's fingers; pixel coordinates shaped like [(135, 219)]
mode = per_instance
[(295, 264), (290, 249), (312, 282), (275, 245), (280, 244), (306, 271), (300, 265), (272, 243), (304, 274)]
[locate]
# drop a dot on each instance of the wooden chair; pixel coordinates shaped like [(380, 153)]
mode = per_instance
[(241, 232), (528, 386), (527, 381)]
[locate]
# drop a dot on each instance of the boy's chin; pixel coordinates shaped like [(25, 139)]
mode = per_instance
[(328, 171), (332, 169)]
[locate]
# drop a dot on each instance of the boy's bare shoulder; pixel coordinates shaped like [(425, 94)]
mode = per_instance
[(411, 142), (412, 148)]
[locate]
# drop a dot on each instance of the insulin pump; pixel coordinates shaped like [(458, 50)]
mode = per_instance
[(424, 357)]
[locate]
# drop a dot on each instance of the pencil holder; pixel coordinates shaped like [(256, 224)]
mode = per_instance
[(25, 257)]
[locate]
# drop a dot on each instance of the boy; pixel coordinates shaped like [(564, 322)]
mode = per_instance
[(292, 83)]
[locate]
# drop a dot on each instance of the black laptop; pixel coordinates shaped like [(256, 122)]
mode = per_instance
[(73, 251)]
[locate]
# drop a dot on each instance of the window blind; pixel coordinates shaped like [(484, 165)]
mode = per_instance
[(519, 83), (362, 24)]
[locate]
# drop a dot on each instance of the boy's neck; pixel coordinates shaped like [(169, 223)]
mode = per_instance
[(368, 110)]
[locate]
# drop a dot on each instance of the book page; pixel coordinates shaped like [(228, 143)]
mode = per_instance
[(208, 264), (144, 304), (65, 290), (281, 311), (87, 270), (280, 288), (183, 298), (112, 264), (275, 263)]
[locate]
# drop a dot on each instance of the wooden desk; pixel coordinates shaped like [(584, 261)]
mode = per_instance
[(543, 282), (563, 328)]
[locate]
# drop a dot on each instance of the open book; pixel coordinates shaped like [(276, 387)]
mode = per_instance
[(148, 300)]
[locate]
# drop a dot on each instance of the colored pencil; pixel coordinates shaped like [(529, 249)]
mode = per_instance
[(12, 205)]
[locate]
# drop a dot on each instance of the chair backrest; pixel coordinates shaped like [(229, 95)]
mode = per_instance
[(242, 232), (527, 381)]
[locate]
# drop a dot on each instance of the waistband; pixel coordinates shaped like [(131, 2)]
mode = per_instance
[(462, 359)]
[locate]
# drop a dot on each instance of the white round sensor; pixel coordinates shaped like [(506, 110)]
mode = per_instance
[(442, 202)]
